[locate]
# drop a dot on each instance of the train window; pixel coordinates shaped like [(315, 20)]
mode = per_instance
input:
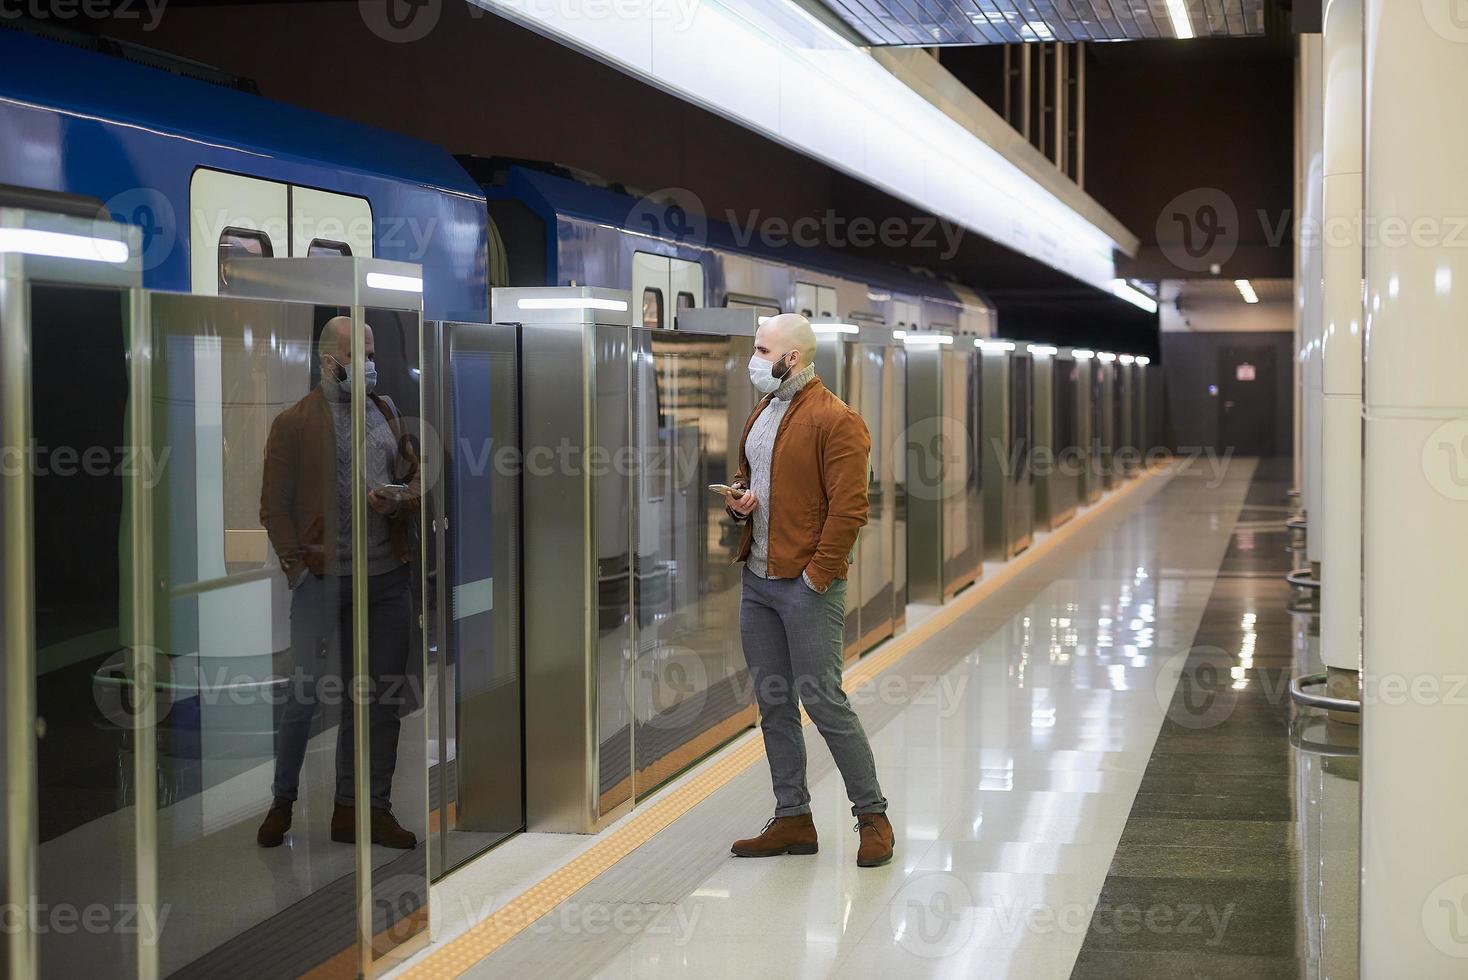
[(325, 246), (761, 304), (242, 243), (685, 301), (652, 307)]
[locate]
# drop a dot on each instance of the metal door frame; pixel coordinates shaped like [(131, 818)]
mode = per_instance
[(41, 247), (357, 284)]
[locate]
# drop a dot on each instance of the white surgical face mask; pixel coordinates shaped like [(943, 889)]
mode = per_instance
[(761, 373), (344, 377)]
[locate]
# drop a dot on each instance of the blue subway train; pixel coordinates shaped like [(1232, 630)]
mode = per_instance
[(211, 172)]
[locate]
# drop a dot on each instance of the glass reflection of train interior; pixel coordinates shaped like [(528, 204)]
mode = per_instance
[(1103, 393), (862, 364), (942, 447), (475, 753), (1009, 495), (223, 371), (1064, 466), (80, 398), (691, 692), (1054, 470), (1121, 419)]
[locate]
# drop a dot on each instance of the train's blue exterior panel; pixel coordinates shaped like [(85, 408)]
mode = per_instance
[(552, 197), (132, 136)]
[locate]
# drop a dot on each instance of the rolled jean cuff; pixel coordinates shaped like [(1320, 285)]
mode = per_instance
[(792, 811), (878, 807)]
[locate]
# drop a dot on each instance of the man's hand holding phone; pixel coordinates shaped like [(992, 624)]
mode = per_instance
[(741, 499), (387, 498)]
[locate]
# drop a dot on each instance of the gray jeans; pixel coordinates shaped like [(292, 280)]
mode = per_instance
[(321, 654), (792, 643)]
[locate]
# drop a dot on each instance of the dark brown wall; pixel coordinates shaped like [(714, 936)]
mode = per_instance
[(1178, 126), (1172, 127)]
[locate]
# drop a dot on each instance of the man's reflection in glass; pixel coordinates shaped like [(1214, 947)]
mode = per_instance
[(306, 507)]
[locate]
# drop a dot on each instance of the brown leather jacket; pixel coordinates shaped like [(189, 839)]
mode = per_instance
[(298, 492), (818, 486)]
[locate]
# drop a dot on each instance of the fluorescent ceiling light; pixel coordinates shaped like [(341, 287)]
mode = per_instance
[(1143, 360), (927, 337), (1044, 350), (899, 334), (1182, 26), (402, 284), (1125, 358), (993, 346), (1122, 289), (835, 328), (572, 303), (1106, 356), (1082, 354), (1246, 290), (771, 66), (59, 245)]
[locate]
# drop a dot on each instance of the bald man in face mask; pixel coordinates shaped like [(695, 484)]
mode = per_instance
[(306, 508), (801, 492)]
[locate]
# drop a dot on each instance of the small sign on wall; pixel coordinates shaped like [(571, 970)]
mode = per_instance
[(1244, 372)]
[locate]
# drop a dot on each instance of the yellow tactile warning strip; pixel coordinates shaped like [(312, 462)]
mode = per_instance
[(483, 938)]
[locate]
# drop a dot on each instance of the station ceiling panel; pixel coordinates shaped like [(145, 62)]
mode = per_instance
[(930, 23)]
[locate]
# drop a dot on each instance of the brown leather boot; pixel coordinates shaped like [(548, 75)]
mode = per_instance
[(344, 824), (277, 822), (876, 840), (782, 835), (386, 831)]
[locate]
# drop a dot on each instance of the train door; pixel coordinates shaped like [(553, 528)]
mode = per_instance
[(663, 286), (815, 302), (664, 389), (906, 316), (651, 281), (323, 223), (686, 442), (685, 284), (232, 216)]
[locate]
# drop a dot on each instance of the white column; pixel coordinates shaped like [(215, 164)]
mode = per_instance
[(1312, 124), (1339, 518), (1297, 205), (1414, 792)]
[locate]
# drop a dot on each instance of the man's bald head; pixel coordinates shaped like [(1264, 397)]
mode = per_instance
[(781, 334), (336, 340)]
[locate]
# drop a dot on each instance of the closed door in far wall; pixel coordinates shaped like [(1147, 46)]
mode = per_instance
[(1246, 400)]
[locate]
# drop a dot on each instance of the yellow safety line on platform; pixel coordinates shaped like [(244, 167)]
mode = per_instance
[(483, 938)]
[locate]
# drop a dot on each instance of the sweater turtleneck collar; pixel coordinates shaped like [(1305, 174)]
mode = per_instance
[(795, 382)]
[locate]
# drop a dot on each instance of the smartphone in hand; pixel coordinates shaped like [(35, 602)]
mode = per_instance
[(396, 492), (732, 492)]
